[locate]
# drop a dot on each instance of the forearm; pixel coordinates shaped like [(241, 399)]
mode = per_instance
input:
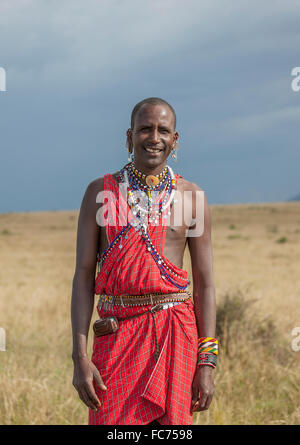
[(205, 310), (82, 305)]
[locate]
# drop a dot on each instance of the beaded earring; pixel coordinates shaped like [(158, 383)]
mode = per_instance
[(174, 151), (130, 154)]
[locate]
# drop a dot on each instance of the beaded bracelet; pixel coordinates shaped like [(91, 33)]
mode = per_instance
[(207, 359), (208, 344), (207, 351)]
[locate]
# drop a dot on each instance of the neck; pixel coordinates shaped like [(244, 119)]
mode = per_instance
[(149, 170)]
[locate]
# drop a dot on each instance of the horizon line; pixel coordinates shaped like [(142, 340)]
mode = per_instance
[(210, 205)]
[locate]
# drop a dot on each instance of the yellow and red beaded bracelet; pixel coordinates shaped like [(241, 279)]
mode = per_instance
[(207, 351)]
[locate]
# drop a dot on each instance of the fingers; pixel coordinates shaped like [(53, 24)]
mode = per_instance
[(194, 399), (203, 401), (85, 374), (92, 395), (83, 396), (87, 394), (88, 400), (208, 401), (98, 379)]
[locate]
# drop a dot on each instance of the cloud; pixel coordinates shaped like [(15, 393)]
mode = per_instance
[(261, 121), (69, 45), (75, 69)]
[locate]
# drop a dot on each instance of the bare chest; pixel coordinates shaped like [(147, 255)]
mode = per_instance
[(178, 223)]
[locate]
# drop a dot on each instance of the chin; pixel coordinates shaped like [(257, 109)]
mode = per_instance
[(149, 162), (154, 163)]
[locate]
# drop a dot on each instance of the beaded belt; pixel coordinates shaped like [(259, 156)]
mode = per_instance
[(107, 301)]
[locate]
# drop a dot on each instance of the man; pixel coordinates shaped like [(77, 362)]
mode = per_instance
[(148, 371)]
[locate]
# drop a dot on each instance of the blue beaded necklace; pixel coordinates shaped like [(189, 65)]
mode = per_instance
[(141, 229)]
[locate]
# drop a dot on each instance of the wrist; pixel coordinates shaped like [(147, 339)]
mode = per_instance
[(76, 356), (206, 368)]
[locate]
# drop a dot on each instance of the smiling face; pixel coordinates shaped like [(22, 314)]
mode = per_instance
[(152, 137)]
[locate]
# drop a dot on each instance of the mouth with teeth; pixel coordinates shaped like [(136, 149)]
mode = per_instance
[(153, 150)]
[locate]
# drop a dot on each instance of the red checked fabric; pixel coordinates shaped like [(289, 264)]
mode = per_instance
[(132, 269), (139, 389)]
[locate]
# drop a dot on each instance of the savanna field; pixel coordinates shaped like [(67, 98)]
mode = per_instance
[(256, 269)]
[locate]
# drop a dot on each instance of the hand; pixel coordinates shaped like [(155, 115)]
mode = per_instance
[(202, 388), (84, 373)]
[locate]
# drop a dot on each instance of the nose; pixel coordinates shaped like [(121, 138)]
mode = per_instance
[(154, 136)]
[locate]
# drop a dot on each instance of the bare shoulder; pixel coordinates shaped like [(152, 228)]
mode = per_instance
[(185, 185), (91, 192), (194, 200), (92, 201), (97, 185)]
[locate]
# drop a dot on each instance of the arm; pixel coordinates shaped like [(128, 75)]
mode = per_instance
[(82, 303), (204, 301)]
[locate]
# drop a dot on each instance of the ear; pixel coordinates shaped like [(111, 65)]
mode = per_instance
[(175, 137), (129, 139)]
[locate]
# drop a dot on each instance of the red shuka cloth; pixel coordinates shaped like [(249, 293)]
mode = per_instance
[(132, 269), (139, 389)]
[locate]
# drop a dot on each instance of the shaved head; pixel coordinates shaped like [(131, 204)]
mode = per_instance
[(152, 101)]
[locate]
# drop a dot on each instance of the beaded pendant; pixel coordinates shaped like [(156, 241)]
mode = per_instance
[(152, 180)]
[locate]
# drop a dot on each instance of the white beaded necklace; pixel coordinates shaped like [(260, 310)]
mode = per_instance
[(164, 206)]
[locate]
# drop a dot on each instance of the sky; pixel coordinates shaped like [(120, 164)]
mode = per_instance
[(75, 69)]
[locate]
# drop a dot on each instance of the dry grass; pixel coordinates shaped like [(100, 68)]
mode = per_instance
[(257, 287)]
